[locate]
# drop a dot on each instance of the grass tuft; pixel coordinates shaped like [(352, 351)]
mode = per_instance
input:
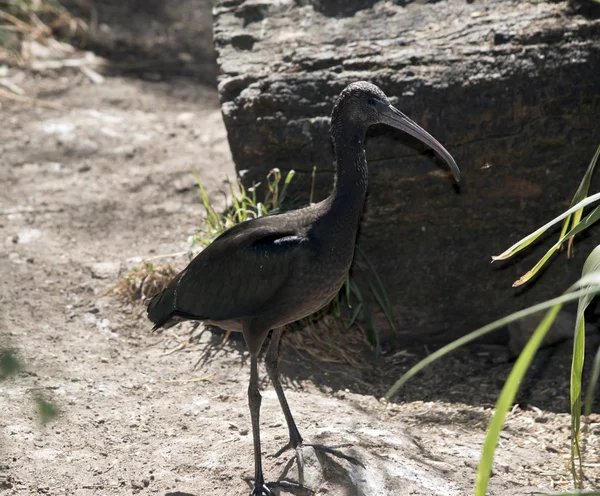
[(244, 206), (143, 282), (9, 364)]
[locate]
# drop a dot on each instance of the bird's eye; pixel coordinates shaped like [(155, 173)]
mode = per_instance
[(371, 101)]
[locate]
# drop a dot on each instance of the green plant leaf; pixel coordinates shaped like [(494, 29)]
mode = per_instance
[(580, 194), (506, 398), (286, 183), (527, 240), (591, 266), (589, 395), (378, 290), (589, 220)]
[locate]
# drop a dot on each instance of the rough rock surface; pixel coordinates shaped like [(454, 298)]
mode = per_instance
[(510, 87)]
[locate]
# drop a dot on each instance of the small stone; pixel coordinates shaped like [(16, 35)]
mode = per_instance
[(185, 118), (127, 150), (27, 235), (105, 270)]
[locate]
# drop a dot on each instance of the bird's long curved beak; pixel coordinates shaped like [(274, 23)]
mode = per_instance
[(393, 117)]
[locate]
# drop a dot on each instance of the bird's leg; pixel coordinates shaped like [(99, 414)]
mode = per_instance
[(296, 442), (254, 400), (272, 363), (261, 488)]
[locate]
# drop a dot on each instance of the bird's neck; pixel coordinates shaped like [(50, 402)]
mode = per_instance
[(351, 169)]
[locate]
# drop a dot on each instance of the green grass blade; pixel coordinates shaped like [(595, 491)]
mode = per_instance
[(589, 395), (576, 374), (286, 183), (378, 290), (211, 216), (527, 240), (590, 267), (588, 221), (563, 231), (355, 315), (581, 193), (482, 331), (373, 331), (347, 284), (506, 398)]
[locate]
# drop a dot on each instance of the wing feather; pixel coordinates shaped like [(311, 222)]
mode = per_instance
[(234, 277)]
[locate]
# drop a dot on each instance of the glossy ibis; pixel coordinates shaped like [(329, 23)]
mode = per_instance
[(270, 271)]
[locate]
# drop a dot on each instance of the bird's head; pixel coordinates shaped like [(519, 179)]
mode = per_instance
[(363, 104)]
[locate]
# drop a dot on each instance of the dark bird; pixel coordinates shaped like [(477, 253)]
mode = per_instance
[(270, 271)]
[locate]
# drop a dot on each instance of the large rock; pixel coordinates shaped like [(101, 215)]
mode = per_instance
[(511, 88)]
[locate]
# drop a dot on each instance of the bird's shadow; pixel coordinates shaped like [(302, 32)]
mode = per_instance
[(287, 479), (335, 471)]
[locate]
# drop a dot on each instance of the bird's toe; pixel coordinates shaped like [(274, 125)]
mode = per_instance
[(262, 490), (334, 450), (282, 450)]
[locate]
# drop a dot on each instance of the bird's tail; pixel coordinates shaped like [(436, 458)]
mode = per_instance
[(161, 308)]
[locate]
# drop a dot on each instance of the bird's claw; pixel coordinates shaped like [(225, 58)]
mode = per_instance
[(264, 489), (282, 450), (261, 491), (288, 485), (332, 450)]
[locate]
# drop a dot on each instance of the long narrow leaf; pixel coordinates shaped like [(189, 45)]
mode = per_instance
[(355, 315), (576, 375), (580, 194), (590, 267), (589, 395), (527, 240), (589, 220), (574, 294), (379, 290), (506, 398), (286, 183)]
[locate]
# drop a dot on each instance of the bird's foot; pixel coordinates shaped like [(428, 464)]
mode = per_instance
[(332, 450), (264, 489)]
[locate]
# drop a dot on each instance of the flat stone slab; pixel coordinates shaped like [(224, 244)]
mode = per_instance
[(509, 87)]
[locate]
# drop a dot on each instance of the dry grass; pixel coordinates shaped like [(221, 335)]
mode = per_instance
[(29, 27), (330, 340), (143, 282)]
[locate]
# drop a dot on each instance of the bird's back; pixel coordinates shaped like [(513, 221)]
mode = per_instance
[(241, 273)]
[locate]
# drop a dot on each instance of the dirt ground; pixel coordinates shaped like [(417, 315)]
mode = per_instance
[(90, 190)]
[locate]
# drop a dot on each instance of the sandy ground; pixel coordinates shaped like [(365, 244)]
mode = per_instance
[(90, 190)]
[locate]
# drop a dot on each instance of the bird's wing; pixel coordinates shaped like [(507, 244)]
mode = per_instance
[(234, 277)]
